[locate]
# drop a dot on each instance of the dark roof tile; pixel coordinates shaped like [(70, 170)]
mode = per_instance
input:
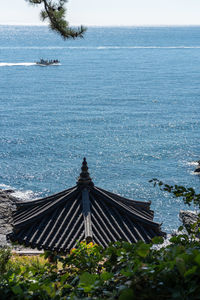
[(83, 212)]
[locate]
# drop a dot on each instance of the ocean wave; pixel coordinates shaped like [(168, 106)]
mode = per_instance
[(192, 163), (98, 47), (24, 195), (147, 47), (5, 187), (20, 194), (195, 173), (26, 64)]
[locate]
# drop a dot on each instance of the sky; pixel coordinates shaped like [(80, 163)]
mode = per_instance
[(109, 12)]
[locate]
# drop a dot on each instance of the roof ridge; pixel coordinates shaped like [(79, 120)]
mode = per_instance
[(36, 216), (144, 209), (40, 200), (129, 210), (137, 202)]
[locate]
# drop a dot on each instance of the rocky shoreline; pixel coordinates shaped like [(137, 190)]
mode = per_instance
[(7, 206), (188, 218)]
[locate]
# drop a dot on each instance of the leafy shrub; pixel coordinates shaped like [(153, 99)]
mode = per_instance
[(122, 271), (5, 255)]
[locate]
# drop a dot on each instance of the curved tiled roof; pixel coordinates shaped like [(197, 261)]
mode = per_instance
[(83, 212)]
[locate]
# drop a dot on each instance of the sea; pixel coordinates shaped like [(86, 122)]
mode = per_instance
[(126, 98)]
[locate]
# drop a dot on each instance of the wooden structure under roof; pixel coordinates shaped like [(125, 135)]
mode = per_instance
[(83, 212)]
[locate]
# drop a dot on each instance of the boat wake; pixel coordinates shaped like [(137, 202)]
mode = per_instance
[(99, 47), (25, 64)]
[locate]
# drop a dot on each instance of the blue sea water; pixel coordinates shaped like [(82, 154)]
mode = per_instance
[(127, 98)]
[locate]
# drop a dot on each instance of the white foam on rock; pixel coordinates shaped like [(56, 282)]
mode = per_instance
[(20, 194), (24, 195), (193, 163)]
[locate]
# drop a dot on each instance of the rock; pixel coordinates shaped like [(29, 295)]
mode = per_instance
[(9, 191), (188, 218), (197, 170), (7, 206)]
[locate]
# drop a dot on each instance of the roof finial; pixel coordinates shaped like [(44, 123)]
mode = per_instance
[(84, 177)]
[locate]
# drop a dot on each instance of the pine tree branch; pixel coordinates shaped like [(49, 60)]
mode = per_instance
[(54, 12), (188, 194)]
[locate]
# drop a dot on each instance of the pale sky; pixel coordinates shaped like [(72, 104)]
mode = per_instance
[(109, 12)]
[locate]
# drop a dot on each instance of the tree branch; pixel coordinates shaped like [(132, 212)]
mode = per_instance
[(188, 194), (54, 12)]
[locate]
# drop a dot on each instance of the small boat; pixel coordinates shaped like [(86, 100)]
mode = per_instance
[(50, 62)]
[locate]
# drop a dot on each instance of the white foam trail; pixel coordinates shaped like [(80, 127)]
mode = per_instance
[(102, 47), (26, 64), (147, 47)]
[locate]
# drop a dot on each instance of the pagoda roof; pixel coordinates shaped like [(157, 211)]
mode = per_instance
[(83, 212)]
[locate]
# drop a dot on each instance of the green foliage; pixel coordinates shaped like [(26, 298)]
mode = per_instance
[(188, 194), (54, 12), (122, 271), (5, 255), (85, 257), (189, 197)]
